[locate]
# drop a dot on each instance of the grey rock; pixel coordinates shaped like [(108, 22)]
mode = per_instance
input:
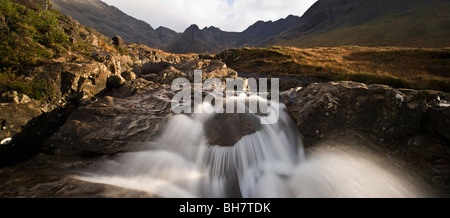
[(111, 125), (154, 67), (378, 110)]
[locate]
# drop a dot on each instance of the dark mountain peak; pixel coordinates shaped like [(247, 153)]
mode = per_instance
[(212, 28), (263, 30), (166, 35), (291, 16), (259, 22), (193, 27), (165, 29)]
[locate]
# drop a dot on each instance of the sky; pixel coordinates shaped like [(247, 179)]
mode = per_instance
[(228, 15)]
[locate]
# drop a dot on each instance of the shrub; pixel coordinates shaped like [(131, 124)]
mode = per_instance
[(38, 89), (27, 35)]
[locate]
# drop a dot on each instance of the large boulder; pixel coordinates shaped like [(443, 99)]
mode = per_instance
[(111, 125), (378, 110), (154, 67), (115, 81), (14, 117)]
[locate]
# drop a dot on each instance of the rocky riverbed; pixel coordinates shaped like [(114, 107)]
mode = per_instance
[(405, 126), (119, 103)]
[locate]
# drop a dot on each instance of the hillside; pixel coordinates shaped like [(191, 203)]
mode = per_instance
[(397, 67), (30, 37), (110, 21), (50, 64), (408, 23)]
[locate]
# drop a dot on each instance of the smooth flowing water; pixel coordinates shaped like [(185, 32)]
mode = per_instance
[(268, 161)]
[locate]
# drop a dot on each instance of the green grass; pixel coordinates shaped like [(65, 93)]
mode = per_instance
[(36, 89), (31, 36), (27, 35)]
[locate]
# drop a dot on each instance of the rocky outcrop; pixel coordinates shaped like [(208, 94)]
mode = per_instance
[(72, 81), (210, 69), (154, 67), (168, 75), (112, 124), (378, 110), (46, 176), (14, 116)]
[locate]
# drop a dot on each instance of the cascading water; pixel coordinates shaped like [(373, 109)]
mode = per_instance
[(264, 161)]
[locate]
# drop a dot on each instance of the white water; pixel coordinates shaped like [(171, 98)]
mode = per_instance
[(267, 163)]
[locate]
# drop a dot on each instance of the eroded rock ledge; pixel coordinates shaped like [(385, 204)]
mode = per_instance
[(384, 112)]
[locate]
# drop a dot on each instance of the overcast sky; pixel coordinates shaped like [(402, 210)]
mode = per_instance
[(228, 15)]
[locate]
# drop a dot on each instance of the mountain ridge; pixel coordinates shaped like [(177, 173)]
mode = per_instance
[(99, 15), (408, 23)]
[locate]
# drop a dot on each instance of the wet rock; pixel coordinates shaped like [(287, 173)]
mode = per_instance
[(111, 125), (378, 110), (47, 176), (227, 129)]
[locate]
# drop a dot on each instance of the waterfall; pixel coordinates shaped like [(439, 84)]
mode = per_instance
[(268, 161)]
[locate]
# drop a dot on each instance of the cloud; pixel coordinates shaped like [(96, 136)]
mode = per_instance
[(228, 15)]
